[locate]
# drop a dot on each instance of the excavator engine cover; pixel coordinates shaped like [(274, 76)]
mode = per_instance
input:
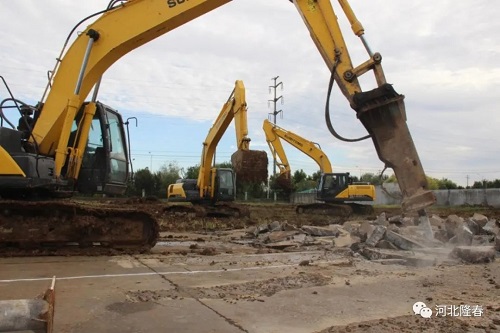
[(382, 112), (250, 165)]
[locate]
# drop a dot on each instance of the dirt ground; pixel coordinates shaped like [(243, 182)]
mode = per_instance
[(240, 287)]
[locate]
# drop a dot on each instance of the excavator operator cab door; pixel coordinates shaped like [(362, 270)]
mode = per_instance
[(225, 188), (331, 185), (105, 162)]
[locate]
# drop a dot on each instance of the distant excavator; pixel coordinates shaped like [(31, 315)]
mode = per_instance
[(215, 188), (336, 192)]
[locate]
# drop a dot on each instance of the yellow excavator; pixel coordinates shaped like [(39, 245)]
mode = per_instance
[(339, 196), (214, 190), (63, 144)]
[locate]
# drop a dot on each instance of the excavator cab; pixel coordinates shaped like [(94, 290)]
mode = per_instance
[(105, 162), (225, 189), (331, 185), (338, 187)]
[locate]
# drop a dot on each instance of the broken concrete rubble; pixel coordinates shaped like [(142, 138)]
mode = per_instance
[(386, 240), (436, 221), (492, 227), (452, 223), (377, 234), (401, 241), (320, 231), (364, 231), (382, 220), (474, 254), (385, 244), (463, 236), (473, 226), (480, 219)]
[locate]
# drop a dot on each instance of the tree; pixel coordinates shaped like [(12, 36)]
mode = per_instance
[(446, 184), (298, 176), (316, 176), (375, 179), (143, 180), (192, 172), (168, 174)]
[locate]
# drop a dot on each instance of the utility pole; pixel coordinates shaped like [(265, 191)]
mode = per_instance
[(275, 112), (467, 181)]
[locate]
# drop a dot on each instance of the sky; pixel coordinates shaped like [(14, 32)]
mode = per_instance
[(443, 56)]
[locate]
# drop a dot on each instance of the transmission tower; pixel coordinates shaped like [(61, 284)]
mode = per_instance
[(275, 112)]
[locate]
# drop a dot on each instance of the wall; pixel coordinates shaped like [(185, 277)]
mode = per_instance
[(391, 195)]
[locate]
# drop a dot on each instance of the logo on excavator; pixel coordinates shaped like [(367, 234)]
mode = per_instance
[(298, 143), (173, 3)]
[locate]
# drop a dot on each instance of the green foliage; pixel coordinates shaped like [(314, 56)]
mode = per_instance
[(192, 172), (316, 176), (299, 176), (143, 180), (486, 184), (226, 165), (252, 190), (154, 184), (446, 184), (168, 174), (375, 179), (433, 183)]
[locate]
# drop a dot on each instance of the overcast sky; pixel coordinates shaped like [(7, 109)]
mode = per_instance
[(443, 56)]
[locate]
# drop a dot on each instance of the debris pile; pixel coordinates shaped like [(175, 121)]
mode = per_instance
[(473, 240)]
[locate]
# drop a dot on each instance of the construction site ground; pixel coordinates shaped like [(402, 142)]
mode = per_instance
[(205, 275)]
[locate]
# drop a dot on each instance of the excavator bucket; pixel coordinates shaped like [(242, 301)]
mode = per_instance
[(382, 112), (250, 165)]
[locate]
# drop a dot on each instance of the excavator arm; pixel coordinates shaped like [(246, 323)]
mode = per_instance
[(279, 155), (234, 108), (117, 32), (217, 184), (335, 191), (380, 110), (273, 135)]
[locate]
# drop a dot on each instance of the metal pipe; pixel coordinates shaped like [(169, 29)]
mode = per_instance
[(367, 47), (94, 36), (29, 314), (96, 89)]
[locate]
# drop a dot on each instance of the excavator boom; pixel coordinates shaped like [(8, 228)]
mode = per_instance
[(380, 110)]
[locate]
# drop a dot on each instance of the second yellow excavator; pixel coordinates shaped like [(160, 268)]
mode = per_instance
[(215, 188), (336, 193)]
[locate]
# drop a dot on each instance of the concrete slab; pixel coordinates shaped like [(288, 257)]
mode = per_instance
[(313, 309)]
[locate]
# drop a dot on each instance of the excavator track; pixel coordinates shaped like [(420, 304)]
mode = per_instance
[(48, 227), (338, 210), (360, 209)]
